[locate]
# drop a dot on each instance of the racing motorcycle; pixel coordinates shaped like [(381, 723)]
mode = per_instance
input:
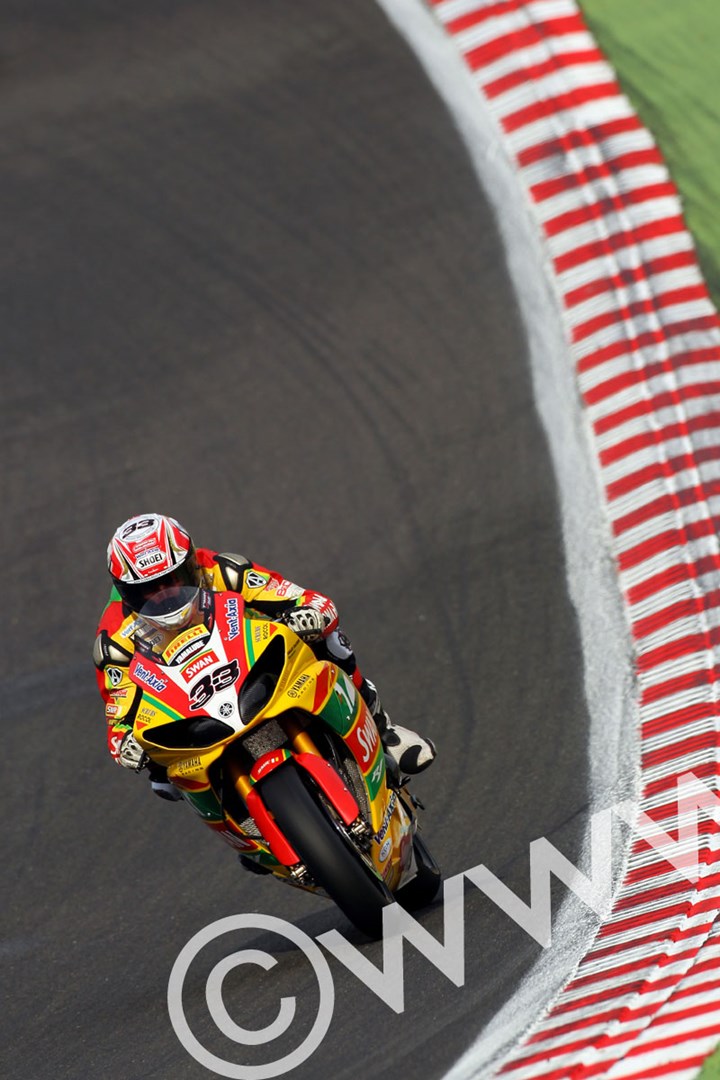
[(277, 752)]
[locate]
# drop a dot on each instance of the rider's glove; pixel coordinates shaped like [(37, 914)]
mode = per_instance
[(131, 754), (307, 622)]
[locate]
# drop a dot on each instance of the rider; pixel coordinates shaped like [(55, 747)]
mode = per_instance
[(150, 557)]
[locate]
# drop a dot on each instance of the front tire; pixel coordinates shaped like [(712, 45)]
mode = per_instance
[(326, 850)]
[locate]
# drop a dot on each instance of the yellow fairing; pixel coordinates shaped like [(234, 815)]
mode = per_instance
[(304, 683)]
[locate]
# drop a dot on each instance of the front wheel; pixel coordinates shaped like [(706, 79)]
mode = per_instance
[(326, 850)]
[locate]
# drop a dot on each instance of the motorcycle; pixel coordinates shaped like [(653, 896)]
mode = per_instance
[(277, 752)]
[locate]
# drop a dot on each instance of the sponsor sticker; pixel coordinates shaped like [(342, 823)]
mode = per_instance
[(190, 650), (150, 560), (364, 739), (189, 765), (345, 691), (367, 736), (323, 604), (287, 589), (298, 686), (254, 580), (385, 850), (185, 638), (145, 544), (269, 762), (144, 675), (199, 664), (232, 614), (377, 772), (386, 820), (376, 776), (114, 675)]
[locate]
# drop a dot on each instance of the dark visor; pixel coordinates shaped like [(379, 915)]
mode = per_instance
[(160, 595)]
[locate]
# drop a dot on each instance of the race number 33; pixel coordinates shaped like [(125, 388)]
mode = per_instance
[(219, 679)]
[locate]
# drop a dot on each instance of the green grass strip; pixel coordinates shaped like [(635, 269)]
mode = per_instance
[(711, 1068), (666, 55)]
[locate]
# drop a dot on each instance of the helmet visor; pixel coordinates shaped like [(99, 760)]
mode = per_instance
[(161, 595)]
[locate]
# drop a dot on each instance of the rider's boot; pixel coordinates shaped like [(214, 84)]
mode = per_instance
[(160, 784), (411, 752)]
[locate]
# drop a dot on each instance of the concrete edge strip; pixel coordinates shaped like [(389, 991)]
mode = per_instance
[(642, 342)]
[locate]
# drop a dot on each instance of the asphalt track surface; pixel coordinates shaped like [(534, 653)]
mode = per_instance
[(247, 278)]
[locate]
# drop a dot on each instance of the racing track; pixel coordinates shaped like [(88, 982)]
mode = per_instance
[(248, 279)]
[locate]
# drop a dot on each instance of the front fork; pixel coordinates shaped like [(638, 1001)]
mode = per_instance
[(300, 740), (325, 776)]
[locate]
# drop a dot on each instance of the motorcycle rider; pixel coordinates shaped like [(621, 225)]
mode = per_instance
[(151, 559)]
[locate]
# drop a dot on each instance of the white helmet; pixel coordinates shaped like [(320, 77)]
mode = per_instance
[(151, 560)]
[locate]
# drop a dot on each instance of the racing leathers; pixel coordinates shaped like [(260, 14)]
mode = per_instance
[(267, 592)]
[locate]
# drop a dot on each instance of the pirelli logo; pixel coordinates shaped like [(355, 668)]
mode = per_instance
[(182, 639)]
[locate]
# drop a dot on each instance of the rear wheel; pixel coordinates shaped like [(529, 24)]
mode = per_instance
[(326, 850)]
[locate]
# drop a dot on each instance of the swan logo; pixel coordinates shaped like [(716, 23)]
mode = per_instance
[(195, 666)]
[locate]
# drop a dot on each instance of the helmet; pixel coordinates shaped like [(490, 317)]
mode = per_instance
[(152, 562)]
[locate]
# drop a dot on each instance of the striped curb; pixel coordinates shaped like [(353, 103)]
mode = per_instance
[(644, 340)]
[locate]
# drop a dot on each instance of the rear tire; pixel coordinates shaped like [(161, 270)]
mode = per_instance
[(326, 850)]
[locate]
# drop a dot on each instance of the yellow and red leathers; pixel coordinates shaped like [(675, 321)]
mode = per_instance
[(265, 590)]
